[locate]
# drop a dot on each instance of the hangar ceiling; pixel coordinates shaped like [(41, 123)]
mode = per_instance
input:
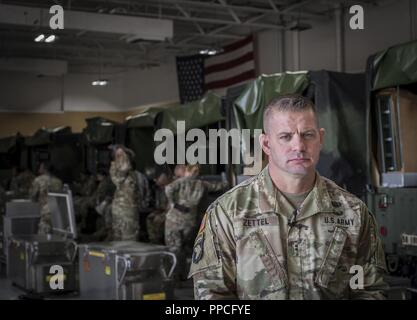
[(196, 25)]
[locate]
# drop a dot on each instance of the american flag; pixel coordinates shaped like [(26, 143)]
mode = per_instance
[(234, 65), (190, 73)]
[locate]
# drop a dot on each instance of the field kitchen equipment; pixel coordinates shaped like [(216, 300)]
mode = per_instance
[(38, 263), (125, 270)]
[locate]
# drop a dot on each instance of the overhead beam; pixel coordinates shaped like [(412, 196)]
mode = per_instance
[(144, 28)]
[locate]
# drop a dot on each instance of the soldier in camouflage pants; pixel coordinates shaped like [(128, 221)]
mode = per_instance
[(125, 222)]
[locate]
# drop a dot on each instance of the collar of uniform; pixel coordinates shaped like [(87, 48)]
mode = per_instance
[(318, 200), (271, 200), (267, 192)]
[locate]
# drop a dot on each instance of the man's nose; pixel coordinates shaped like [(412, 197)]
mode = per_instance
[(298, 144)]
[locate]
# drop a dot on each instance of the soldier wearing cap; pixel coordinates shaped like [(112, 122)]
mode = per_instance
[(288, 233)]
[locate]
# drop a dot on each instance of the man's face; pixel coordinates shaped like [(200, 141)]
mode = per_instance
[(119, 153), (179, 170), (292, 143)]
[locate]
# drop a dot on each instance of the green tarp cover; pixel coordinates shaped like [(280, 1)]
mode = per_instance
[(8, 143), (196, 114), (395, 66), (45, 136), (146, 118), (340, 100), (140, 140), (141, 127), (99, 130), (249, 107)]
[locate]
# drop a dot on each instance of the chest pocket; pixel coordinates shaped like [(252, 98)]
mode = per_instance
[(273, 266), (332, 257)]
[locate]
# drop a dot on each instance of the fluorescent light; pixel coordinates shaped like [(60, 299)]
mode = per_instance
[(39, 38), (51, 38), (100, 82), (209, 52)]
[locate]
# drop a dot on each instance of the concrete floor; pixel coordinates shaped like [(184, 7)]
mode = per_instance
[(185, 290), (10, 292)]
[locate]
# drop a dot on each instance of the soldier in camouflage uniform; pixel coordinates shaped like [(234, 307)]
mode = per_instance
[(156, 219), (44, 183), (288, 233), (84, 199), (184, 196), (125, 220), (101, 202), (145, 197), (21, 184)]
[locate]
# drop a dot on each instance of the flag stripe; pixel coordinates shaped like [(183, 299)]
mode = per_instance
[(236, 45), (221, 58), (229, 64), (231, 81), (225, 74)]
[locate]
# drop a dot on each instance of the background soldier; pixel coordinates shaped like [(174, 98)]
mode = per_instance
[(101, 202), (21, 183), (145, 197), (84, 191), (288, 233), (184, 196), (44, 183), (125, 222), (156, 220)]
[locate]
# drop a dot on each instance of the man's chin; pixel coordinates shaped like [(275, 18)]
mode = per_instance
[(299, 171)]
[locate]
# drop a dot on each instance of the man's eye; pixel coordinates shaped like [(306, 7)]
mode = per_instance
[(285, 138), (308, 135)]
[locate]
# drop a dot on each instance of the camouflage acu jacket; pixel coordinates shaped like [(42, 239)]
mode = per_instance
[(125, 180), (188, 191), (248, 249), (42, 185)]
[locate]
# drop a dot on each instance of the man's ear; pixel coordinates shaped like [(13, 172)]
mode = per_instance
[(264, 142), (321, 132)]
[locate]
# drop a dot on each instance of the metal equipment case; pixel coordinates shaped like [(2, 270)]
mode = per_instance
[(21, 218), (394, 209), (125, 270), (32, 256)]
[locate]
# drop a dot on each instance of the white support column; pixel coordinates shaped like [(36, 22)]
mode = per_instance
[(281, 47), (340, 38), (296, 49), (413, 24)]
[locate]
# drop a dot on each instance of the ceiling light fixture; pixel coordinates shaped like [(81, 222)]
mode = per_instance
[(100, 82), (40, 38), (50, 38), (210, 52)]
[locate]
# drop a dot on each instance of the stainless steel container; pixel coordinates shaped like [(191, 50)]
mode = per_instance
[(125, 271)]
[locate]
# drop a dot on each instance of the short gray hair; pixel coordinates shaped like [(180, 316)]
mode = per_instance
[(288, 103)]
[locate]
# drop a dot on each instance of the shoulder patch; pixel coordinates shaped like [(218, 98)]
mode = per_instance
[(204, 251)]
